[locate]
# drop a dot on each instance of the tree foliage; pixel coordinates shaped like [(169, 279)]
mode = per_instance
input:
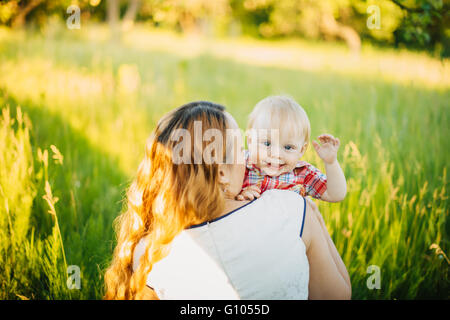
[(422, 24)]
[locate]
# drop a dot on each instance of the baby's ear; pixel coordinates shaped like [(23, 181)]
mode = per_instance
[(304, 147), (248, 136)]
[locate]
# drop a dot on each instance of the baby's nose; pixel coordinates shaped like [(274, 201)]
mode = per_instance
[(275, 153)]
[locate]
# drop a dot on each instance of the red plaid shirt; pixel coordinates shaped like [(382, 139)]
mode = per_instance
[(305, 179)]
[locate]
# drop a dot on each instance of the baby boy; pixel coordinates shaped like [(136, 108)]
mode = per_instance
[(277, 137)]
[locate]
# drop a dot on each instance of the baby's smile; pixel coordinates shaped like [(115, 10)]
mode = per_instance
[(274, 167)]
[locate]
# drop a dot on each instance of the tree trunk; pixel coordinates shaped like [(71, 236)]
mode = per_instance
[(20, 19), (330, 27), (130, 15), (113, 15)]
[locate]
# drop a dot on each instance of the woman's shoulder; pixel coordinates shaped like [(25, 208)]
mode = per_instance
[(286, 205), (273, 205), (286, 195), (285, 199)]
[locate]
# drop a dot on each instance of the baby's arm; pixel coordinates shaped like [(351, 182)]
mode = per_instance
[(336, 183)]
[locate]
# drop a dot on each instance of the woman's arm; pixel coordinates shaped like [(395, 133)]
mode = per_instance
[(331, 246), (328, 277)]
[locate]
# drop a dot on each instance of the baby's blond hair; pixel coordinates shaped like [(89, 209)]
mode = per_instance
[(281, 112)]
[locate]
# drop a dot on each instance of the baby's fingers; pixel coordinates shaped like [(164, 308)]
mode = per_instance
[(254, 188), (247, 194), (324, 138), (335, 142), (251, 194), (255, 193)]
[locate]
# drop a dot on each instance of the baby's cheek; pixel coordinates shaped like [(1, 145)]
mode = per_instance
[(292, 160)]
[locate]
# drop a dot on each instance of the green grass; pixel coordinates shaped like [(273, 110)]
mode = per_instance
[(97, 101)]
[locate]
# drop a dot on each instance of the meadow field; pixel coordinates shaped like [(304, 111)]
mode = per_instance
[(77, 108)]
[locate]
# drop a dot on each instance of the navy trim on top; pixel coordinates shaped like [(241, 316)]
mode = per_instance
[(303, 220), (221, 217)]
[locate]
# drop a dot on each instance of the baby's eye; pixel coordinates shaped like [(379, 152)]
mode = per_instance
[(289, 147), (266, 143)]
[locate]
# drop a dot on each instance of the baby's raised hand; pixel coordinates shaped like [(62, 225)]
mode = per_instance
[(328, 148), (249, 193)]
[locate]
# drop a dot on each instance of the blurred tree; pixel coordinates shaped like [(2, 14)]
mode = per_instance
[(390, 18), (24, 7), (17, 13), (421, 24), (327, 19), (188, 16), (426, 25), (113, 14), (130, 14), (308, 18), (112, 7)]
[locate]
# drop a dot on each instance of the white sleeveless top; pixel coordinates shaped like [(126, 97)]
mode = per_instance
[(253, 252)]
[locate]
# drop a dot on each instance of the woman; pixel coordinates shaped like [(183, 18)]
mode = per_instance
[(184, 236)]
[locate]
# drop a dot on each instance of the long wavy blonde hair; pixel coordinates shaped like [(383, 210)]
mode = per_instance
[(165, 198)]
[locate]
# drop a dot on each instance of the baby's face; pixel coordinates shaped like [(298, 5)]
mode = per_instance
[(275, 152)]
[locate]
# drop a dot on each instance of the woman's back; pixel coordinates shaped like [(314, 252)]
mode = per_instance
[(254, 252)]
